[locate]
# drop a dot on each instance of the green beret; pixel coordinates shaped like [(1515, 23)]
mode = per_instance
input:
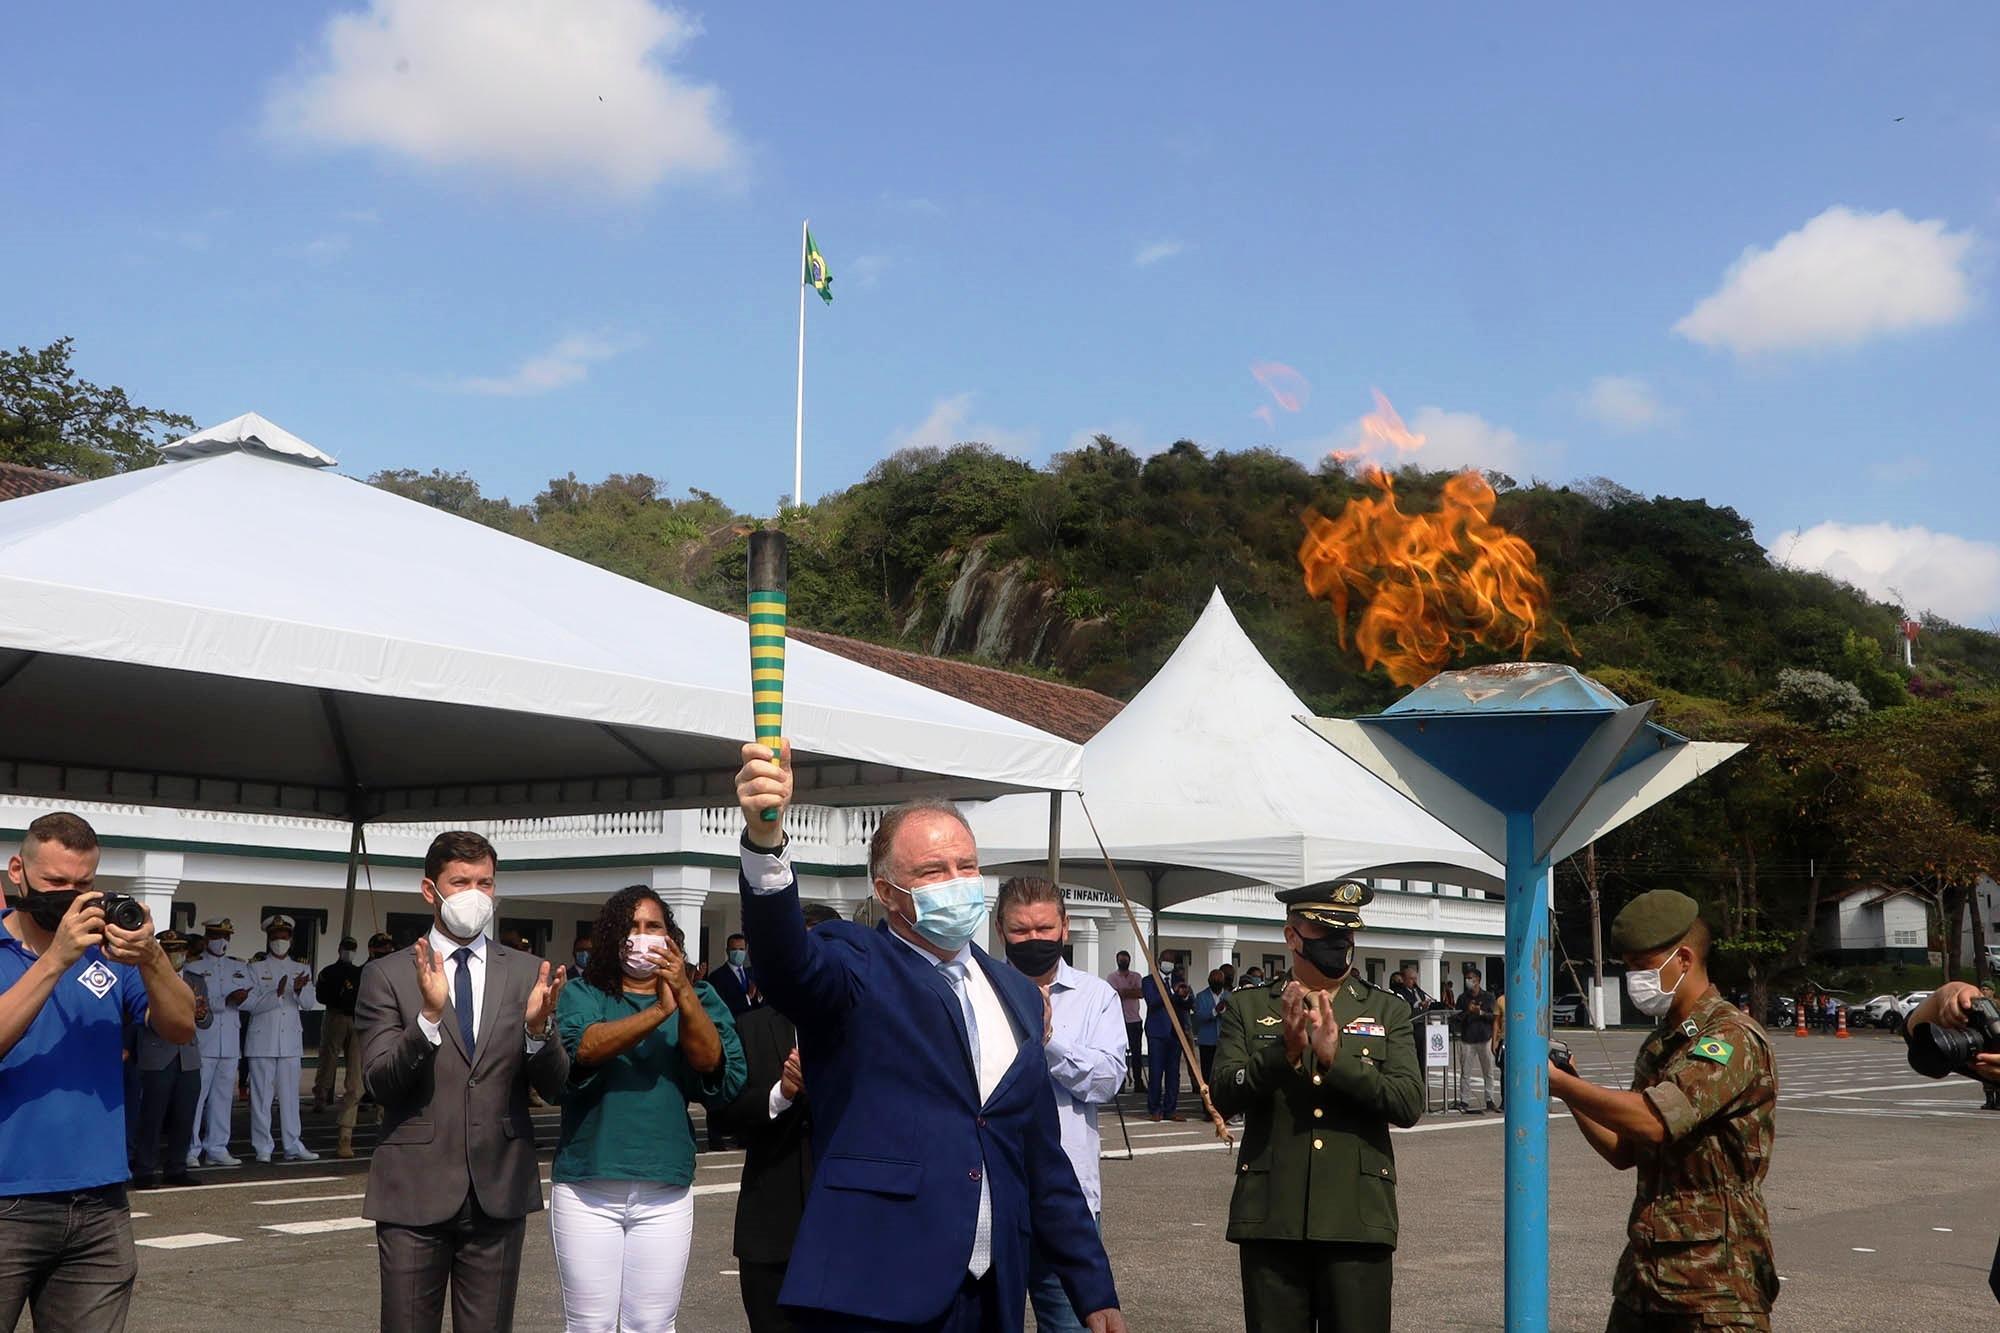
[(1337, 904), (1653, 921)]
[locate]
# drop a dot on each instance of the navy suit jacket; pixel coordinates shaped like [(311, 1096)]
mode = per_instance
[(900, 1137), (1158, 1026), (735, 994)]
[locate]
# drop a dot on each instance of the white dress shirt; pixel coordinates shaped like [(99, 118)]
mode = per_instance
[(444, 946)]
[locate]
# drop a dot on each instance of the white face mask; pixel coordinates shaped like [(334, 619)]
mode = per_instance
[(217, 948), (278, 948), (1166, 967), (1644, 988), (466, 914), (347, 955)]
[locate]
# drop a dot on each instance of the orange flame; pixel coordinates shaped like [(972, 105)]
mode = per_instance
[(1428, 585), (1382, 427)]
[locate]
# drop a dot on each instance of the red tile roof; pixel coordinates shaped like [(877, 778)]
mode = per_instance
[(1061, 710), (17, 481)]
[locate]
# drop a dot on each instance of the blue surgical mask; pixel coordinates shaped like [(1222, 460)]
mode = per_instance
[(738, 957), (949, 913)]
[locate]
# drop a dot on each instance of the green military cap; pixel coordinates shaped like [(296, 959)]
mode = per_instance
[(1336, 904), (1653, 921)]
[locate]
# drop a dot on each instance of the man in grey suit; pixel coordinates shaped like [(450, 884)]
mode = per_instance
[(169, 1085), (454, 1030)]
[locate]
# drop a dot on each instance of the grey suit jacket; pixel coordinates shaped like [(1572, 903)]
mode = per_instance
[(155, 1052), (450, 1125)]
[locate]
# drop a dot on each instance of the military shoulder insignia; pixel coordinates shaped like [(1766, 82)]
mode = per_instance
[(1269, 1021), (1688, 1026), (1708, 1048)]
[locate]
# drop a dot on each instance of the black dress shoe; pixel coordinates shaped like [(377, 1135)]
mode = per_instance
[(182, 1178), (145, 1182)]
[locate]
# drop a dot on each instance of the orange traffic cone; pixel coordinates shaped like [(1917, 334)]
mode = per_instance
[(1841, 1030), (1800, 1031)]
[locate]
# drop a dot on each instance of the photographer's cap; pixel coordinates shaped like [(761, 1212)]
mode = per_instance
[(276, 921), (218, 925), (1653, 920)]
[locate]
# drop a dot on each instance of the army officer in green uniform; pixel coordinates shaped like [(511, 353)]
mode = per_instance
[(1697, 1125), (1319, 1068)]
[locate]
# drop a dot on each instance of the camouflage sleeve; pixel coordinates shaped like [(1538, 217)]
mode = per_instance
[(1707, 1078)]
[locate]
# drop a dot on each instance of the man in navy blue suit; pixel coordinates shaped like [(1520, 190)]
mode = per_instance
[(934, 1124), (735, 981)]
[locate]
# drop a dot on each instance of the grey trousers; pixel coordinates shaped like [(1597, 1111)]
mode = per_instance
[(1470, 1052), (69, 1259), (477, 1256)]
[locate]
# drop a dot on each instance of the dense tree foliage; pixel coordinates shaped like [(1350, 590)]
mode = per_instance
[(51, 419)]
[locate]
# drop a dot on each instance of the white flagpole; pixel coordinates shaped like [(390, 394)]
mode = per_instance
[(799, 420)]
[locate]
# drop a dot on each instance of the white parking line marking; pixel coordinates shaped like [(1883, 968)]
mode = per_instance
[(309, 1198), (323, 1224), (245, 1185), (724, 1187), (1119, 1156), (1946, 1230), (186, 1241), (1862, 1249)]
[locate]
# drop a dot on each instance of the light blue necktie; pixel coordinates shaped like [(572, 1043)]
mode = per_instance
[(982, 1231)]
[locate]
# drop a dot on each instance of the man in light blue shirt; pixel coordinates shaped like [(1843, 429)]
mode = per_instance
[(1085, 1048)]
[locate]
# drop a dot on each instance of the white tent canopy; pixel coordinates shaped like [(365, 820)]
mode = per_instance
[(241, 632), (1207, 780)]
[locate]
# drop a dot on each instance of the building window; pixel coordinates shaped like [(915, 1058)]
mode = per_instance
[(1907, 939)]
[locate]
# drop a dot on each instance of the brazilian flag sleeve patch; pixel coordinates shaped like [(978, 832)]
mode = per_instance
[(1708, 1048)]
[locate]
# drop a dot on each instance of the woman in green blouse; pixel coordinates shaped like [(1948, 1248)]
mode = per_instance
[(644, 1040)]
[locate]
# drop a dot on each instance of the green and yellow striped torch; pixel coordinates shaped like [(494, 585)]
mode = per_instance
[(768, 576)]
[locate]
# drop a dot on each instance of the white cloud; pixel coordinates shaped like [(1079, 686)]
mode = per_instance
[(867, 270), (1154, 251), (1908, 467), (1445, 440), (950, 422), (1841, 279), (576, 90), (325, 249), (1954, 577), (566, 362), (1622, 403)]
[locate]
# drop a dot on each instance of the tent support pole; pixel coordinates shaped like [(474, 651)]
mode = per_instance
[(353, 869), (1055, 838)]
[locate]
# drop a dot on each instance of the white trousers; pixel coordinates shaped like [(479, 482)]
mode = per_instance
[(217, 1099), (279, 1074), (621, 1253)]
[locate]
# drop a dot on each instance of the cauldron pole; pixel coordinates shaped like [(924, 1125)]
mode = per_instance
[(769, 575)]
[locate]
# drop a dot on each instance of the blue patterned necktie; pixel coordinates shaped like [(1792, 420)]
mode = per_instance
[(462, 997)]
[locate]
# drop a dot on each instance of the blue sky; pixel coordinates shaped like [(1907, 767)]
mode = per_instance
[(1697, 253)]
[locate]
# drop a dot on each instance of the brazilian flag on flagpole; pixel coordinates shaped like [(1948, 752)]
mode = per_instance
[(817, 276)]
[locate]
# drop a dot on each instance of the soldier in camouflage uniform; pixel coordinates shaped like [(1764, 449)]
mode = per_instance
[(1319, 1068), (1697, 1124)]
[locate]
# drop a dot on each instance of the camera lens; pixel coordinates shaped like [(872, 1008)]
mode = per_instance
[(1956, 1046), (125, 912)]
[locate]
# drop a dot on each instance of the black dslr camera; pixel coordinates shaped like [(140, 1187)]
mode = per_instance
[(1936, 1050), (123, 911)]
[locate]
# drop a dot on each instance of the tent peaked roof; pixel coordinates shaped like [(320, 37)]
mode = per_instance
[(239, 632), (245, 434), (1208, 769)]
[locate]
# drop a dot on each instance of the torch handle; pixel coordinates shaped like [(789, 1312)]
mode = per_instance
[(768, 576)]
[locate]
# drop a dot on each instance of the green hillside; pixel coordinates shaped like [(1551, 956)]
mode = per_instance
[(1091, 568)]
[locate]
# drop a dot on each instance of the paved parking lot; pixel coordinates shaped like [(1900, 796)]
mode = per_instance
[(1882, 1191)]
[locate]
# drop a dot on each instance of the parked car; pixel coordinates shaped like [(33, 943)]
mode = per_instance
[(1570, 1010), (1872, 1014), (1782, 1012), (1901, 1009)]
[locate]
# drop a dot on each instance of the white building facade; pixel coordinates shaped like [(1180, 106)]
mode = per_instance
[(191, 865)]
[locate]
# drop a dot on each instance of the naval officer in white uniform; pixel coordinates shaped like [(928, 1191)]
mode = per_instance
[(273, 1045), (226, 984)]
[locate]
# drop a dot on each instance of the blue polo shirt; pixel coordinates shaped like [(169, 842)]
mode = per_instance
[(62, 1087)]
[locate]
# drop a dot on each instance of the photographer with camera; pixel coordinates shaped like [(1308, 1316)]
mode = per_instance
[(1957, 1031), (78, 968)]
